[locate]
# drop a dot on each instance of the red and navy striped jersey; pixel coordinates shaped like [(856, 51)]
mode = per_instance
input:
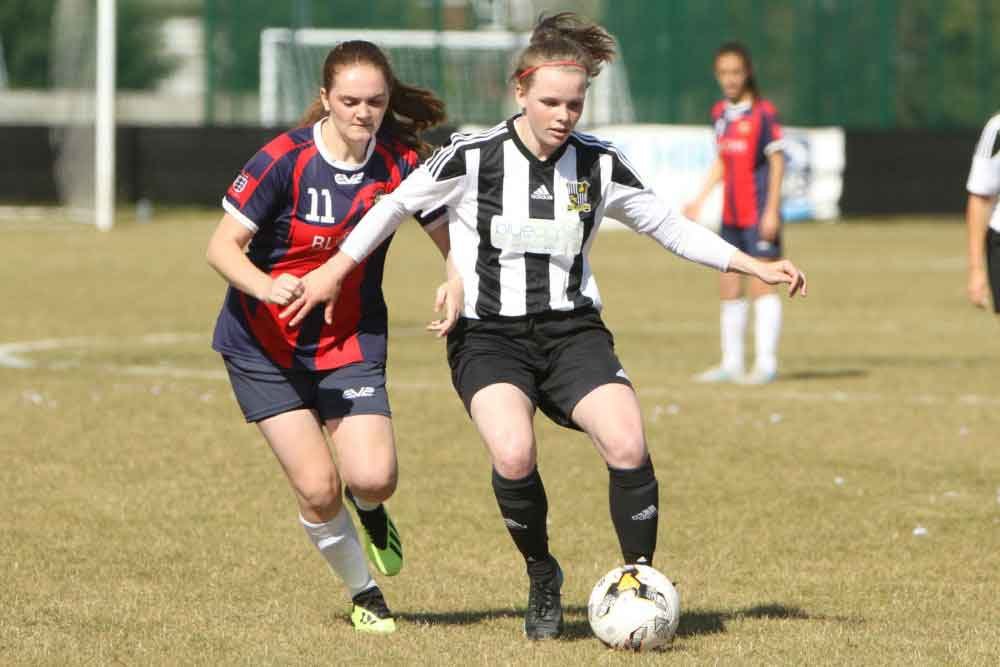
[(746, 134), (300, 203)]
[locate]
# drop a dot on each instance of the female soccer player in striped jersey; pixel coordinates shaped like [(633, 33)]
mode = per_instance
[(292, 203), (525, 200), (982, 216), (750, 166)]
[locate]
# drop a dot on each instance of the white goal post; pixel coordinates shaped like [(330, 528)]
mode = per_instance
[(104, 121), (467, 69), (82, 132)]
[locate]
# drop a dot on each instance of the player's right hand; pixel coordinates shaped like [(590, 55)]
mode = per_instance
[(977, 288), (283, 290)]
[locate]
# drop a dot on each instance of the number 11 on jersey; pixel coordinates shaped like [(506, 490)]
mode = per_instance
[(313, 214)]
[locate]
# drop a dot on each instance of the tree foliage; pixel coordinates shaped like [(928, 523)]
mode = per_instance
[(26, 28)]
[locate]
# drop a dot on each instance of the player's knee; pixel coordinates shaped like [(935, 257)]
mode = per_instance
[(512, 451), (374, 488), (320, 497), (514, 462), (626, 449)]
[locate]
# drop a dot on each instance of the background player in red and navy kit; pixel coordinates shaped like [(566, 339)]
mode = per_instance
[(750, 165), (292, 203)]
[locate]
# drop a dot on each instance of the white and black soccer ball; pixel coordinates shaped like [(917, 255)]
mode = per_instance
[(634, 607)]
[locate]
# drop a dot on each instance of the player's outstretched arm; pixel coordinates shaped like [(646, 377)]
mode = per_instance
[(418, 191), (322, 284), (772, 273)]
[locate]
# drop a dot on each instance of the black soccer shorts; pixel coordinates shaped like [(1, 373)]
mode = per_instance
[(993, 265), (555, 358)]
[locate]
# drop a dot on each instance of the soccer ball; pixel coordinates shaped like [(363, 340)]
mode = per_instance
[(634, 607)]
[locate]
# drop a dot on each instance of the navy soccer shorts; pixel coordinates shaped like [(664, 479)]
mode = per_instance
[(264, 390), (748, 240)]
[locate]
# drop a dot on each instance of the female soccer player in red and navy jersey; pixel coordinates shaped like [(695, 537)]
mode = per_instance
[(750, 165), (292, 203)]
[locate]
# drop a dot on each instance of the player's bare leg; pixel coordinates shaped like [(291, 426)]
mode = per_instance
[(297, 440), (732, 327), (503, 415), (366, 454), (610, 415)]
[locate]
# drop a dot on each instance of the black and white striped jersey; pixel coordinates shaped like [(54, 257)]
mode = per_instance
[(521, 228), (984, 175)]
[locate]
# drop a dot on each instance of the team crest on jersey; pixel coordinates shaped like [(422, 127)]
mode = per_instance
[(240, 184), (744, 127), (578, 196)]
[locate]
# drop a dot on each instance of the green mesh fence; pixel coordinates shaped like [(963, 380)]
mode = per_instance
[(853, 63)]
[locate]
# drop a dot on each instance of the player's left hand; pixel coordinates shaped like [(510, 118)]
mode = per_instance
[(770, 225), (318, 286), (782, 271), (449, 298)]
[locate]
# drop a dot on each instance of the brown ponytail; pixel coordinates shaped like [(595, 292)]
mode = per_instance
[(564, 37), (411, 110)]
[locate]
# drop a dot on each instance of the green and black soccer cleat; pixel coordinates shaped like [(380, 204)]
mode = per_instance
[(370, 613), (381, 539)]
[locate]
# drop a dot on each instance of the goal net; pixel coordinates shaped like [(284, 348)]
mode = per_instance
[(469, 70)]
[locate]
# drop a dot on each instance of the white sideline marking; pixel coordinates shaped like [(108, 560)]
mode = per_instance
[(11, 356), (10, 352)]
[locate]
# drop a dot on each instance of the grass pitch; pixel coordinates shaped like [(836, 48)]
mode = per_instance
[(849, 513)]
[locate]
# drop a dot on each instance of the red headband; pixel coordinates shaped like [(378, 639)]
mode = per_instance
[(551, 63)]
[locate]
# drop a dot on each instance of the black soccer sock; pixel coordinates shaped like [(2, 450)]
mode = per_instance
[(524, 508), (634, 496)]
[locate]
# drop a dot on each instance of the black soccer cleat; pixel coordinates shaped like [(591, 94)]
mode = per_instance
[(544, 617), (381, 538)]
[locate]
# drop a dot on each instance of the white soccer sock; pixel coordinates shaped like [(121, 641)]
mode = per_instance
[(767, 329), (338, 542), (364, 505), (733, 323)]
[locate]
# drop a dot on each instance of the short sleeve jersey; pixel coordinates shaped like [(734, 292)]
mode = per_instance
[(984, 176), (300, 203), (746, 134)]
